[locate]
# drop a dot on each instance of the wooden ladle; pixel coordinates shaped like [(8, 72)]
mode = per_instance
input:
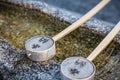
[(42, 48), (79, 68)]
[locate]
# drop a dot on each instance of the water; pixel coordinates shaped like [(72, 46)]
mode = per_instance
[(18, 24)]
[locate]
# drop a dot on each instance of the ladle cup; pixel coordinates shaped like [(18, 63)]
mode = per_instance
[(79, 68), (42, 48)]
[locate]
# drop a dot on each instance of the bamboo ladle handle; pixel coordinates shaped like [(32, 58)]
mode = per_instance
[(82, 20), (104, 43)]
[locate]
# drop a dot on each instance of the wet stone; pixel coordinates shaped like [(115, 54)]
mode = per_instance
[(14, 65)]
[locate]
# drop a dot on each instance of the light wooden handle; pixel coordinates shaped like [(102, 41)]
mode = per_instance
[(82, 20), (103, 44)]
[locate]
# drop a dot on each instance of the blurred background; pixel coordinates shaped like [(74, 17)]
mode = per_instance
[(110, 13)]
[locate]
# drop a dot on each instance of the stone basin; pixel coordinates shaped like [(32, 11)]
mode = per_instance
[(20, 20)]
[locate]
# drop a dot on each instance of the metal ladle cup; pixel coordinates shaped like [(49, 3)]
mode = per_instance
[(40, 48), (49, 52), (77, 68)]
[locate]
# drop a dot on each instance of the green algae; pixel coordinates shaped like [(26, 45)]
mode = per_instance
[(19, 24)]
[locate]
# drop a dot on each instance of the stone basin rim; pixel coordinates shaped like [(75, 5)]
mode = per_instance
[(70, 22)]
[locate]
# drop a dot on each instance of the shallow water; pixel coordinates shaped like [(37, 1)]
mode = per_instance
[(18, 24)]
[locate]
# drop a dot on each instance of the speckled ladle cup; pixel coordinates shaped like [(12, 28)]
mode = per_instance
[(79, 68), (42, 48)]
